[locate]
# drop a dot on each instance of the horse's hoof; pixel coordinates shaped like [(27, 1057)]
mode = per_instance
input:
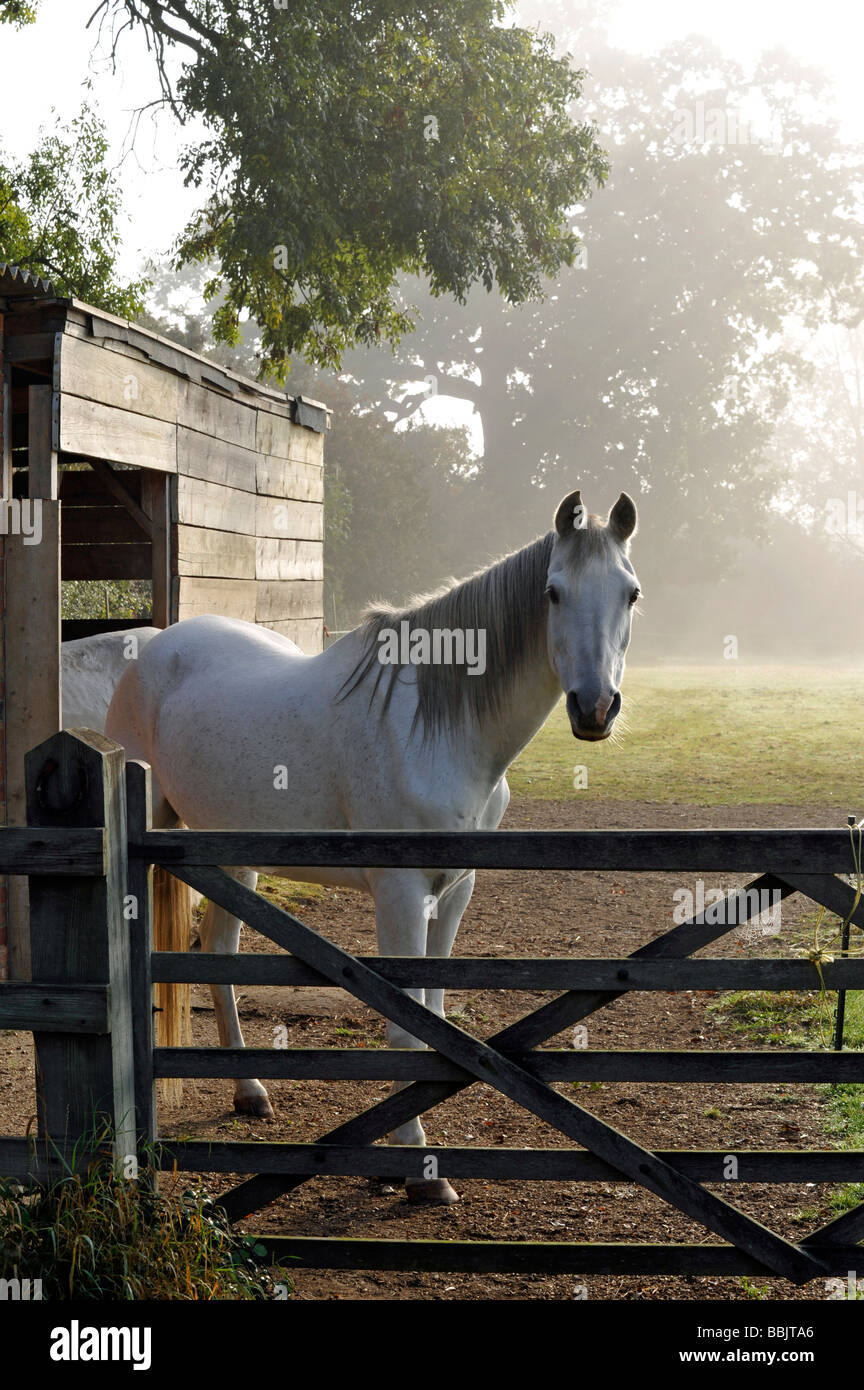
[(259, 1106), (431, 1190)]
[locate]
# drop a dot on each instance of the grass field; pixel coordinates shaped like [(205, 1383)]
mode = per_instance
[(713, 736)]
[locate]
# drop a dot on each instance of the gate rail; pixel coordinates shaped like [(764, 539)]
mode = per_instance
[(76, 783)]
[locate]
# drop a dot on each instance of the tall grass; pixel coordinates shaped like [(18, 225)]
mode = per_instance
[(95, 1234)]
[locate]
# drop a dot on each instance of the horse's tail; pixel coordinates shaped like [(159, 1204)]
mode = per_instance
[(172, 923)]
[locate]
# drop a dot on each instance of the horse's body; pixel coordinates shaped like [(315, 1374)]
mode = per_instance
[(91, 670), (243, 731)]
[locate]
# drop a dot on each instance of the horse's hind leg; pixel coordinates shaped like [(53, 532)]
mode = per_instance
[(220, 931)]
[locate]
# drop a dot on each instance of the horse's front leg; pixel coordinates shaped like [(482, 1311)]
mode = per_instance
[(443, 925), (401, 907), (220, 931)]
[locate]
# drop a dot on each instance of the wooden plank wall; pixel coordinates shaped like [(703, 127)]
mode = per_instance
[(247, 510)]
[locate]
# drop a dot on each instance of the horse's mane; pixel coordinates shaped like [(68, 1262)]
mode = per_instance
[(506, 599)]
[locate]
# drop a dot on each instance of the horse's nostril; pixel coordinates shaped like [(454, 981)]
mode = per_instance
[(592, 712), (574, 709)]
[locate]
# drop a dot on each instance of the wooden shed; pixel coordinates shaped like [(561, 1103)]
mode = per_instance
[(147, 461)]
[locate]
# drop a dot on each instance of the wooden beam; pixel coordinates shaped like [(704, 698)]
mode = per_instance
[(543, 1023), (498, 1164), (574, 1065), (823, 852), (100, 526), (536, 1257), (210, 554), (33, 694), (233, 598), (289, 600), (41, 455), (140, 884), (54, 1008), (156, 503), (546, 973), (80, 935), (94, 431), (83, 487), (114, 483), (106, 561), (52, 851)]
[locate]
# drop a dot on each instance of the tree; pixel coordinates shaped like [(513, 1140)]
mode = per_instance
[(59, 211), (353, 141), (661, 365)]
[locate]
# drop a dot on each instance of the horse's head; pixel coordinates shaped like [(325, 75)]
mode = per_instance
[(591, 589)]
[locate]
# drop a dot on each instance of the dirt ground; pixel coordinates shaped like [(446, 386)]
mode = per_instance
[(519, 913)]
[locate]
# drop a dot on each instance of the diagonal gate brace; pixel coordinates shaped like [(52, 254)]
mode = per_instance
[(485, 1063), (529, 1032)]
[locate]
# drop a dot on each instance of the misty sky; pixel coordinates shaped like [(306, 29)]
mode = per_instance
[(46, 64)]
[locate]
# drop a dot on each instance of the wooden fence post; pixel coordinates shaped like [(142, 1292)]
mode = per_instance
[(140, 886), (79, 933)]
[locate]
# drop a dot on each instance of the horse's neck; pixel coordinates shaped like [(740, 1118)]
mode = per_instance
[(523, 710)]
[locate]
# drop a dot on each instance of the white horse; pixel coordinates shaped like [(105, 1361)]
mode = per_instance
[(242, 730), (91, 668)]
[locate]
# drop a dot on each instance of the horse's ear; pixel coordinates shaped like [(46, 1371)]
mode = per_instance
[(622, 518), (571, 515)]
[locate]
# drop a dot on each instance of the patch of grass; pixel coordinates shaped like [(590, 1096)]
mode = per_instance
[(806, 1021), (752, 1290), (784, 1017), (712, 735), (287, 893), (98, 1235)]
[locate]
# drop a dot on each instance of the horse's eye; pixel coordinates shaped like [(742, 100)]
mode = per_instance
[(635, 596), (552, 594)]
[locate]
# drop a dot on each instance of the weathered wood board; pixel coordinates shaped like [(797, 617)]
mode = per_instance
[(213, 554), (290, 478), (279, 436), (289, 599), (99, 374), (281, 517), (89, 429), (216, 460), (277, 559), (232, 598), (215, 507), (307, 633), (219, 416)]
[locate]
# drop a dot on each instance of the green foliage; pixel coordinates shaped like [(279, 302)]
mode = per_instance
[(350, 142), (59, 212), (659, 367), (17, 12), (106, 598), (97, 1235)]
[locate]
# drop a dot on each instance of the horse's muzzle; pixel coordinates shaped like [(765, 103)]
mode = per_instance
[(585, 722)]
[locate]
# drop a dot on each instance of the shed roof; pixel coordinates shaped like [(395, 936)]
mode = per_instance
[(16, 283)]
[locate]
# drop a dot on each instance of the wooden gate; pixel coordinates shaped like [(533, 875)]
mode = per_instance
[(512, 1061)]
